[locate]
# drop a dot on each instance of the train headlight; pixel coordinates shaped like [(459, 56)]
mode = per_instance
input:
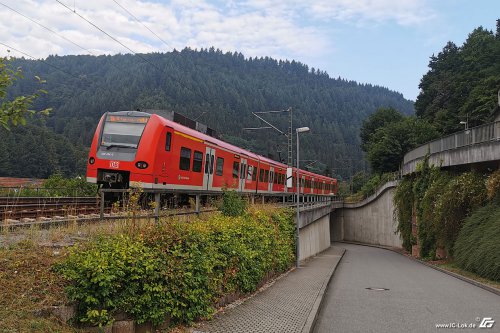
[(91, 160), (141, 165)]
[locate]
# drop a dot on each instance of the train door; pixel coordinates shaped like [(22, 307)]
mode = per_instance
[(164, 167), (243, 173), (271, 179), (208, 177)]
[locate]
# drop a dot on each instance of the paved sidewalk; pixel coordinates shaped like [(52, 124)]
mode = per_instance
[(290, 305)]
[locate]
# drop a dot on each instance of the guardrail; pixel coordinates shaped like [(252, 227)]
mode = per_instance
[(472, 136)]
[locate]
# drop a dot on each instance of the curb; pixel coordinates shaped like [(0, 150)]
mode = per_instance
[(318, 303), (455, 275)]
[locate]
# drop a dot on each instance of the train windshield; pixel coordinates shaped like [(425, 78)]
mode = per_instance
[(120, 131)]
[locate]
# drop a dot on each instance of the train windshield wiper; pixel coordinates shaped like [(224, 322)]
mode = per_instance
[(119, 146)]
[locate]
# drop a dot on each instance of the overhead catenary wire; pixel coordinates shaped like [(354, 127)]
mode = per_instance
[(145, 26), (43, 26), (107, 34), (61, 36), (45, 62)]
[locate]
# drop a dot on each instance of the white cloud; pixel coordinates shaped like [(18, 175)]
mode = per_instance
[(403, 12), (236, 27), (277, 28)]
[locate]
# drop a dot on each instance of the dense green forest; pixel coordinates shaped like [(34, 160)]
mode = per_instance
[(218, 89)]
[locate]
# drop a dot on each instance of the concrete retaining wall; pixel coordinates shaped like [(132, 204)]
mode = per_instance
[(315, 237), (370, 221)]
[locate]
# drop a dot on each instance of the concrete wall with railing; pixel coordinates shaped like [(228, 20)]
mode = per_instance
[(475, 145)]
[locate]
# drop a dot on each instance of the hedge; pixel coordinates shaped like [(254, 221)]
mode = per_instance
[(177, 270)]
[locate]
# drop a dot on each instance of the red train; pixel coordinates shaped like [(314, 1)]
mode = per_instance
[(138, 149)]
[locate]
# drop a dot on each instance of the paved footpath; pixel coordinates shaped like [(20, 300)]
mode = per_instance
[(290, 305)]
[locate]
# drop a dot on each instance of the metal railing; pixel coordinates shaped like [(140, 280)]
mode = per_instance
[(472, 136)]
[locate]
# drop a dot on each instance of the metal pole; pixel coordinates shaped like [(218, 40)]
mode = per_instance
[(197, 204), (102, 206), (157, 207), (297, 224)]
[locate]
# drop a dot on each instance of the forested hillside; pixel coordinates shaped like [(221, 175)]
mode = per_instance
[(218, 89)]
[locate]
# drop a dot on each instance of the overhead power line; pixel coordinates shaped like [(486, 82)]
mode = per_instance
[(61, 36), (145, 26), (43, 26), (45, 62), (107, 34)]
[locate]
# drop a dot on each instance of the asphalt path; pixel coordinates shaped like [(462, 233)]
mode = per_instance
[(418, 297)]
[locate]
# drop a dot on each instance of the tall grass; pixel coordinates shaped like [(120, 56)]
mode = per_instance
[(477, 248)]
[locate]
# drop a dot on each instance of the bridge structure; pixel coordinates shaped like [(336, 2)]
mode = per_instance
[(477, 147)]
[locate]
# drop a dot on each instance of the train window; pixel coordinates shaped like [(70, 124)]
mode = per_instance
[(249, 172), (185, 161), (197, 161), (272, 178), (168, 142), (254, 174), (220, 166), (212, 164), (236, 169), (266, 176), (261, 175)]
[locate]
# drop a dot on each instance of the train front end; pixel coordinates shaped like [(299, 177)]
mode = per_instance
[(116, 159)]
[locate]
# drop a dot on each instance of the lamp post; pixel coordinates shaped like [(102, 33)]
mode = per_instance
[(297, 224), (466, 124)]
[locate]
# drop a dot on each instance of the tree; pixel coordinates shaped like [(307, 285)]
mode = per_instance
[(376, 120), (16, 110), (390, 143), (462, 83)]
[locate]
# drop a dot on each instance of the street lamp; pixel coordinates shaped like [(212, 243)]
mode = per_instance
[(466, 124), (297, 224)]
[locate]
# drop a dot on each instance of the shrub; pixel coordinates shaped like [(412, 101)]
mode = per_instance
[(477, 248), (57, 185), (178, 269), (233, 204), (115, 274), (403, 211), (461, 196), (493, 186)]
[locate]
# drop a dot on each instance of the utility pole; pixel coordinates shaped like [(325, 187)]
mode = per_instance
[(289, 134)]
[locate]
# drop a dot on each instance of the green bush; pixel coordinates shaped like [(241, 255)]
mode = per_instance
[(477, 248), (403, 211), (427, 218), (57, 185), (115, 274), (461, 196), (178, 269), (233, 204)]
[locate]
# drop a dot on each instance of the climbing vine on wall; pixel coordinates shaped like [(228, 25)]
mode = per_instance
[(440, 201)]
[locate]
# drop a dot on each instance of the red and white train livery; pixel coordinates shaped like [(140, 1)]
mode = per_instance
[(138, 149)]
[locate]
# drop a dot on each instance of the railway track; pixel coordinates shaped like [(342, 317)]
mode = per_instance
[(21, 212), (37, 208)]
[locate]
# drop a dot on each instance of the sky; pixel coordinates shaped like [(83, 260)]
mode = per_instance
[(381, 42)]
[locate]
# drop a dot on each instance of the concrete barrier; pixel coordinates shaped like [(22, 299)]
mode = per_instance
[(370, 221)]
